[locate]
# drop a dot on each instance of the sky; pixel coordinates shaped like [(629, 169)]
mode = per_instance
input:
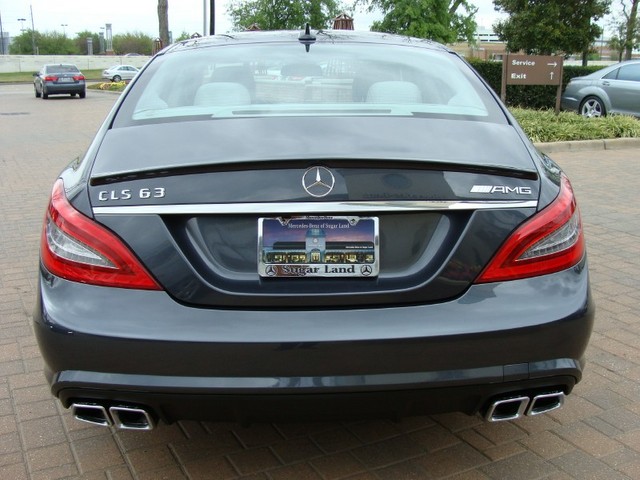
[(127, 16)]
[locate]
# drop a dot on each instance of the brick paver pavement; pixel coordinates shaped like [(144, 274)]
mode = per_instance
[(595, 436)]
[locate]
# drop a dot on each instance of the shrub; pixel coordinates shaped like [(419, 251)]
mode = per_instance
[(546, 126)]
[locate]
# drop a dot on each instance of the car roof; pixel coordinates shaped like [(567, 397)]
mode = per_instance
[(604, 70), (286, 36)]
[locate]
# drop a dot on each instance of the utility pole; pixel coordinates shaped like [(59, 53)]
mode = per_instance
[(1, 34), (212, 17), (33, 32)]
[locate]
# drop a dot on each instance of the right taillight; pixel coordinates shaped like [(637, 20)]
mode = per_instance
[(549, 242)]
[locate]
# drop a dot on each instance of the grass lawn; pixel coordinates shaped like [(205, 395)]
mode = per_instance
[(19, 77)]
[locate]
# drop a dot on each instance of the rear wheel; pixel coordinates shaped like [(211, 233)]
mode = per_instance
[(83, 94), (592, 107), (45, 95), (37, 92), (117, 78)]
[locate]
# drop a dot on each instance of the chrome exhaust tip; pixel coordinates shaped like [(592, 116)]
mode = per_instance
[(546, 402), (131, 418), (91, 413), (507, 409)]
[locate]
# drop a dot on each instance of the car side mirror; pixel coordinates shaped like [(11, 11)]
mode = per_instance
[(36, 74)]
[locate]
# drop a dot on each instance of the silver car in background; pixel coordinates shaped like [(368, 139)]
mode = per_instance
[(117, 73), (614, 89)]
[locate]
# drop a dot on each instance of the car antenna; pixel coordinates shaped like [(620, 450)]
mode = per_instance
[(307, 38)]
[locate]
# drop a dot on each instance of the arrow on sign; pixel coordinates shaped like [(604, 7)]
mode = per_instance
[(554, 64)]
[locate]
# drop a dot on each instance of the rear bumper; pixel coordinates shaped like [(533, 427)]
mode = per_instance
[(135, 347), (170, 400), (570, 104), (64, 88)]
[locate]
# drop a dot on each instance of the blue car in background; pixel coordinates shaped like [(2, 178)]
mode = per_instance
[(59, 79)]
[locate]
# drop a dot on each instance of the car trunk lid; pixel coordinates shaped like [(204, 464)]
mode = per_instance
[(240, 232)]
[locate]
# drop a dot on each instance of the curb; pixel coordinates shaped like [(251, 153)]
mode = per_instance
[(583, 145)]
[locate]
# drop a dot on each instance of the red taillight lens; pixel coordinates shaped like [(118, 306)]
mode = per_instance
[(551, 241), (50, 78), (77, 248), (78, 77)]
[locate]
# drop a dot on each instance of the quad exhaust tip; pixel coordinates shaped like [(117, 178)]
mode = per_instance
[(91, 413), (119, 416), (512, 408), (131, 418)]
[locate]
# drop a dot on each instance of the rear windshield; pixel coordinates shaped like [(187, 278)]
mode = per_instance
[(284, 80), (62, 69)]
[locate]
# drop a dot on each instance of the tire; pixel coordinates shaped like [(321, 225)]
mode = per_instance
[(45, 95), (83, 94), (36, 90), (116, 78), (592, 107)]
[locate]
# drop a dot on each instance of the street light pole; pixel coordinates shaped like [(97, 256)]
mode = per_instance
[(204, 17), (64, 30)]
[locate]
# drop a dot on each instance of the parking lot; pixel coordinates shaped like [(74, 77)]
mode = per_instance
[(595, 436)]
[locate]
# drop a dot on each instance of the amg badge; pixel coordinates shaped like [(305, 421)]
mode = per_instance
[(504, 189)]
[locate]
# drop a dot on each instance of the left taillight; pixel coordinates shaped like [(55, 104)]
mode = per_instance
[(551, 241), (76, 248), (78, 77)]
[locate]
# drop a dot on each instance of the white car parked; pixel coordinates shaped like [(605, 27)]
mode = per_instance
[(120, 72)]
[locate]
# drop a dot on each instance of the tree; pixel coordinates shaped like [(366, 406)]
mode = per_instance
[(81, 42), (163, 21), (49, 43), (627, 29), (552, 26), (444, 21), (22, 44), (183, 36), (283, 14), (136, 42)]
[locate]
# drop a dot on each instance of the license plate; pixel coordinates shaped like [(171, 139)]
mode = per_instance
[(318, 247), (65, 80)]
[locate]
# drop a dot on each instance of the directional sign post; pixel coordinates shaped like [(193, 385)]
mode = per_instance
[(532, 70)]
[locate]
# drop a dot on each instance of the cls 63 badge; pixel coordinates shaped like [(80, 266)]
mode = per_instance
[(131, 194)]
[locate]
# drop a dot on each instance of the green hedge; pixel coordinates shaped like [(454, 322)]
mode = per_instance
[(546, 126), (527, 96)]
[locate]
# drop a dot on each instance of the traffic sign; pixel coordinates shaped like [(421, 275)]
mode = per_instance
[(533, 69)]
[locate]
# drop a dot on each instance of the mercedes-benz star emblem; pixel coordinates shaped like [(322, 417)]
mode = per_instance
[(271, 271), (318, 181), (366, 270)]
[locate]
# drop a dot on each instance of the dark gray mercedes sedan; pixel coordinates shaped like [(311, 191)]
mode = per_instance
[(311, 225)]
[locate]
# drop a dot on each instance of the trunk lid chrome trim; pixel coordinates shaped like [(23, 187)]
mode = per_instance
[(309, 207)]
